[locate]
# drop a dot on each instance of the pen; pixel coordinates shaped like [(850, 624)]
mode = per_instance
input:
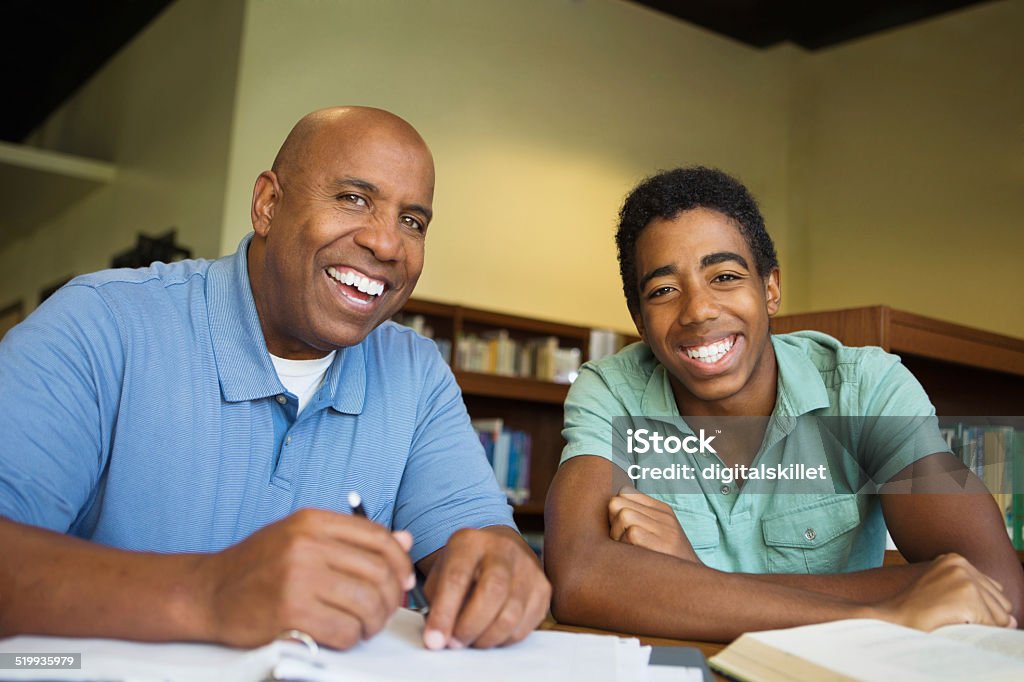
[(355, 501)]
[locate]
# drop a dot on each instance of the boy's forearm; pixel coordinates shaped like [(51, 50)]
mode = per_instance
[(663, 596)]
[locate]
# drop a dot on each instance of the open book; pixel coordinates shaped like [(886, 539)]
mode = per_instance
[(866, 650), (394, 655)]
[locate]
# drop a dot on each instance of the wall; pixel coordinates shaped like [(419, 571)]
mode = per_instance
[(541, 114), (909, 163), (161, 111), (890, 169)]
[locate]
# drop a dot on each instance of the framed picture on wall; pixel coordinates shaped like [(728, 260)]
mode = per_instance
[(10, 316)]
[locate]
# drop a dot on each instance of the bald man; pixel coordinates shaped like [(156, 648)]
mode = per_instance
[(179, 441)]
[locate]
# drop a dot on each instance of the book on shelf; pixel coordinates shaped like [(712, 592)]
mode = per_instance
[(870, 650), (994, 454), (508, 452), (497, 352)]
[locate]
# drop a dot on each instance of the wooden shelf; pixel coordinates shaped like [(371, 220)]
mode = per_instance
[(38, 184), (513, 388), (899, 331), (966, 371)]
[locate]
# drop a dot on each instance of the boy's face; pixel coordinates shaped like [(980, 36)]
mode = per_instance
[(704, 309)]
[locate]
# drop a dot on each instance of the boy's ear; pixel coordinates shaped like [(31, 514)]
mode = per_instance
[(265, 196), (773, 291)]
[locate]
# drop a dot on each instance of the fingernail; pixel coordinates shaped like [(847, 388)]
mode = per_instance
[(455, 644), (1013, 622), (410, 582), (433, 639)]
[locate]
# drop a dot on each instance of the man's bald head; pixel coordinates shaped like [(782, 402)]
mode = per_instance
[(340, 123)]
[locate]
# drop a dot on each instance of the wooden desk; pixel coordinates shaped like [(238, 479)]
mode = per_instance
[(709, 649)]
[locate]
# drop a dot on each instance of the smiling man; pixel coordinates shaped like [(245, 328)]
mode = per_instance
[(807, 450), (180, 440)]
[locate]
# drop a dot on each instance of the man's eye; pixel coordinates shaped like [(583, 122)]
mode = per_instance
[(726, 277), (414, 223), (353, 199)]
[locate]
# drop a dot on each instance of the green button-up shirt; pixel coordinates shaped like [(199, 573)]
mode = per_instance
[(856, 411)]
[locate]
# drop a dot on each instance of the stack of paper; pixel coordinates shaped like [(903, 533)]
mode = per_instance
[(396, 654)]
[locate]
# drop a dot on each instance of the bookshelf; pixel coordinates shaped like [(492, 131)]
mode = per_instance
[(968, 373), (525, 404)]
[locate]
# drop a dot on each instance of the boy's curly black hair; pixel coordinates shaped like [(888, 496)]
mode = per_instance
[(668, 194)]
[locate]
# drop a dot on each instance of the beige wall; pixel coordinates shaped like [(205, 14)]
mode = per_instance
[(541, 115), (909, 169), (160, 110)]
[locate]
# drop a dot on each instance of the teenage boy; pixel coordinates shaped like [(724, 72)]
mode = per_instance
[(719, 555)]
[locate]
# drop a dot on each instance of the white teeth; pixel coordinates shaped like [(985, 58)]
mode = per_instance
[(712, 352), (360, 282)]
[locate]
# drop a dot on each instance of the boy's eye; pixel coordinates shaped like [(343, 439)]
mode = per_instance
[(660, 291)]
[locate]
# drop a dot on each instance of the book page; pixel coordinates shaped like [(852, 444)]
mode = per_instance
[(1001, 640), (874, 650)]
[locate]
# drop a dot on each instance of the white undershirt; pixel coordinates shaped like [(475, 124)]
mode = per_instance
[(302, 378)]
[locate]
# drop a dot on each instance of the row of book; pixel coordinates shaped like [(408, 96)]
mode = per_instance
[(496, 352), (991, 453), (508, 452)]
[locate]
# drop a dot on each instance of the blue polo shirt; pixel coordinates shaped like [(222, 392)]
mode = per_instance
[(138, 410)]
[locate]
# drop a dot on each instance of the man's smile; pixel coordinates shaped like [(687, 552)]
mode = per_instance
[(358, 287)]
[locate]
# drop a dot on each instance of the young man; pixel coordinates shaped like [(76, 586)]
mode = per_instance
[(179, 441), (727, 551)]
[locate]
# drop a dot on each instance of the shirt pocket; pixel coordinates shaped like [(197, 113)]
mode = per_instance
[(815, 537)]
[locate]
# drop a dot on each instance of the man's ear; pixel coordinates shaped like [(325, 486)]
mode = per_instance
[(265, 196), (773, 291)]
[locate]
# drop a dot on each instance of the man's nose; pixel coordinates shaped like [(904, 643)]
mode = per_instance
[(382, 237)]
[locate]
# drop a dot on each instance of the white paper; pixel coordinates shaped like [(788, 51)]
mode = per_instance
[(396, 654)]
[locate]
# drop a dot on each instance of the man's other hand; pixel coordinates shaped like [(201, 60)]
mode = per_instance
[(336, 577), (486, 589)]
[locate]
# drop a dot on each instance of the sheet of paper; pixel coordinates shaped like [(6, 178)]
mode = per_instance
[(395, 655)]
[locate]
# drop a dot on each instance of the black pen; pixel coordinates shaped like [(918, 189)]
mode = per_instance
[(355, 501)]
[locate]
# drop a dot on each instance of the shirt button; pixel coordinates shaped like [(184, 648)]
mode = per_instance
[(726, 490), (288, 440), (810, 534), (281, 399)]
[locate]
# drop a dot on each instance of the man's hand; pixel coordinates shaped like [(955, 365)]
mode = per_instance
[(486, 588), (643, 521), (951, 591), (336, 577)]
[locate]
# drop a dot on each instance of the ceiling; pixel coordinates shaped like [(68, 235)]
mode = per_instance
[(54, 46), (811, 24)]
